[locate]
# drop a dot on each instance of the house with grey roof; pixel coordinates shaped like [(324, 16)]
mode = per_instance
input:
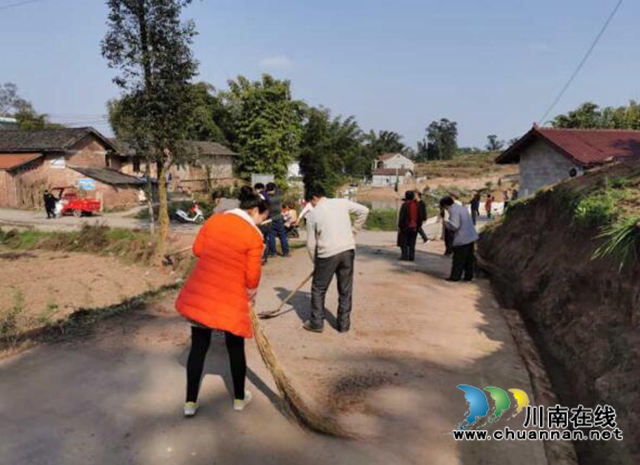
[(32, 161), (208, 164), (392, 169)]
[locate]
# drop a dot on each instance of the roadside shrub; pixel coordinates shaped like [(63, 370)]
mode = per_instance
[(596, 209), (9, 319), (382, 220), (621, 241), (130, 244)]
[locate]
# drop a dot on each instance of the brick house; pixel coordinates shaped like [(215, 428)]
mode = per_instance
[(212, 165), (392, 168), (547, 156), (32, 161)]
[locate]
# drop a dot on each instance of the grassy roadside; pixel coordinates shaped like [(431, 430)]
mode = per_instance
[(130, 245), (82, 322)]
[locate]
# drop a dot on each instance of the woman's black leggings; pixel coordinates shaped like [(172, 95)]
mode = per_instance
[(200, 340)]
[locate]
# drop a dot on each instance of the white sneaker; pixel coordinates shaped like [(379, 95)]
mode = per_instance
[(240, 404), (190, 409)]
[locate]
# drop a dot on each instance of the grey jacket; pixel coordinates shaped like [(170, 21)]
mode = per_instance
[(461, 224)]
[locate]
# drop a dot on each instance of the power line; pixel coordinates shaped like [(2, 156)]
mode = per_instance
[(582, 62), (12, 5)]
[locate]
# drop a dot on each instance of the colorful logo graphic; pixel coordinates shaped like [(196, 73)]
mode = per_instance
[(478, 403)]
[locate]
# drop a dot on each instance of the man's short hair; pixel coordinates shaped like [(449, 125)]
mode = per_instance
[(315, 191), (258, 186), (446, 202), (271, 187)]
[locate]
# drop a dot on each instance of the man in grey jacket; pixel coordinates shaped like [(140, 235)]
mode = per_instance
[(465, 236), (331, 244)]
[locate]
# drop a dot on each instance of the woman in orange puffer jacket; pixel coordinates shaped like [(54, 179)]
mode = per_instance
[(220, 289)]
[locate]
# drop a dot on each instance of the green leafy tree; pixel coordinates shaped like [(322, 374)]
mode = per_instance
[(10, 102), (319, 164), (150, 46), (493, 143), (266, 123), (210, 119), (12, 105), (441, 141), (587, 115), (331, 150), (384, 142)]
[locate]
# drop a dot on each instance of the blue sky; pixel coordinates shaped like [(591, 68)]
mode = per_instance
[(494, 66)]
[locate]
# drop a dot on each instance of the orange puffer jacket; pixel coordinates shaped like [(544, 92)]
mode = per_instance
[(229, 247)]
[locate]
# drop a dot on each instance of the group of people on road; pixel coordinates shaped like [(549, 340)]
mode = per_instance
[(222, 287), (508, 195), (459, 232), (232, 246)]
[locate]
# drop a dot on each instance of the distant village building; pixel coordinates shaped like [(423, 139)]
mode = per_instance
[(212, 165), (392, 168), (8, 123), (33, 161), (547, 156)]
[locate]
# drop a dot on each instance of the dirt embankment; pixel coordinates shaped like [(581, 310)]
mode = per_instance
[(583, 313)]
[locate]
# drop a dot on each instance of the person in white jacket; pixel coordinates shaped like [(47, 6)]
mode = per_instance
[(331, 244)]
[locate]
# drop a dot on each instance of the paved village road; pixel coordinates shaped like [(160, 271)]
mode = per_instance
[(115, 397)]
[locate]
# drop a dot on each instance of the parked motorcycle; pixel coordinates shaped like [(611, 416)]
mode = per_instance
[(195, 215)]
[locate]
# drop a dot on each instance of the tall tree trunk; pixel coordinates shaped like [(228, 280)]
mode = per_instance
[(152, 220), (163, 208)]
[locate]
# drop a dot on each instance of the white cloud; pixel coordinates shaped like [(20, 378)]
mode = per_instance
[(280, 62)]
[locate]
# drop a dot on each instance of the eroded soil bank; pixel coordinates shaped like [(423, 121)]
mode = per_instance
[(582, 312)]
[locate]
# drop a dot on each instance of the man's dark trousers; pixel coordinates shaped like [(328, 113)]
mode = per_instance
[(324, 268), (277, 229), (463, 258)]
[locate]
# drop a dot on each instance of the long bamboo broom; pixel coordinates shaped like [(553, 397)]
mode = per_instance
[(298, 407), (276, 312)]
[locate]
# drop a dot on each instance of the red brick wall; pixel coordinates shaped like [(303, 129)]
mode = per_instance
[(88, 152), (116, 196), (24, 187), (7, 190)]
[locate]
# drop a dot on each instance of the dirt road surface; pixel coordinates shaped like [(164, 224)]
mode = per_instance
[(116, 397)]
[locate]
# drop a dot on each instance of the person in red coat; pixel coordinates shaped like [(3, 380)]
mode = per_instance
[(220, 290)]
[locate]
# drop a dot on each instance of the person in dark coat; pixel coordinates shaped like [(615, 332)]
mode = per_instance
[(277, 222), (422, 217), (49, 204), (475, 207), (408, 224), (264, 228), (447, 235)]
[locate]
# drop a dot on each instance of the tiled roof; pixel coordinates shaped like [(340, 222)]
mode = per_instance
[(202, 148), (585, 147), (12, 161), (386, 156), (46, 140), (109, 176)]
